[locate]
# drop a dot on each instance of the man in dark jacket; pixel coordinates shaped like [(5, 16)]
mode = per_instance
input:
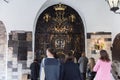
[(34, 67)]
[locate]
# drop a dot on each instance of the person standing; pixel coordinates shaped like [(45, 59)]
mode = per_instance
[(103, 67), (83, 61), (91, 64), (50, 66), (34, 67), (71, 70)]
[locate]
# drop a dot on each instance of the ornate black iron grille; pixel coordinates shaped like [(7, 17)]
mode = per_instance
[(60, 27)]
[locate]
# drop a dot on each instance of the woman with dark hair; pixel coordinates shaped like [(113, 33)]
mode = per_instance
[(50, 66), (103, 67), (70, 70), (35, 67)]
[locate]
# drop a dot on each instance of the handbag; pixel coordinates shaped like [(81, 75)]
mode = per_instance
[(42, 74)]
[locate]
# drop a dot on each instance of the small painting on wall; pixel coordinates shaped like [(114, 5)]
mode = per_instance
[(98, 44)]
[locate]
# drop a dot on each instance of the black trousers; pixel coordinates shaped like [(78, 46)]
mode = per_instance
[(91, 78), (83, 76), (33, 79), (92, 75)]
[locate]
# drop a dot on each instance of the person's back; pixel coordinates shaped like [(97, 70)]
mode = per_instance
[(34, 67), (50, 65), (52, 69), (83, 60), (103, 67), (83, 64), (71, 71)]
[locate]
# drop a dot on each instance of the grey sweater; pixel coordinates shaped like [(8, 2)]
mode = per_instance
[(83, 64)]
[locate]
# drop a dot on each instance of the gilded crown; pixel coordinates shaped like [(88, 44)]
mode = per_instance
[(60, 7)]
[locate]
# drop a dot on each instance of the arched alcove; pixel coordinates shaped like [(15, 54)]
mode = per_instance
[(116, 48), (3, 43), (116, 57), (61, 27)]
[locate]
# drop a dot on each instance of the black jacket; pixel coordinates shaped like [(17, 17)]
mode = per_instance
[(70, 71), (34, 67)]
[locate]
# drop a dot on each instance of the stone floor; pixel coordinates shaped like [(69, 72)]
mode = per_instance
[(24, 77)]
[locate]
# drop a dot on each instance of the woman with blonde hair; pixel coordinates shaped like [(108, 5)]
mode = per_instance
[(91, 64)]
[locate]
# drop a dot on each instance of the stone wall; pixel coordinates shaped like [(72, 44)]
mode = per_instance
[(3, 48), (20, 54), (96, 42)]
